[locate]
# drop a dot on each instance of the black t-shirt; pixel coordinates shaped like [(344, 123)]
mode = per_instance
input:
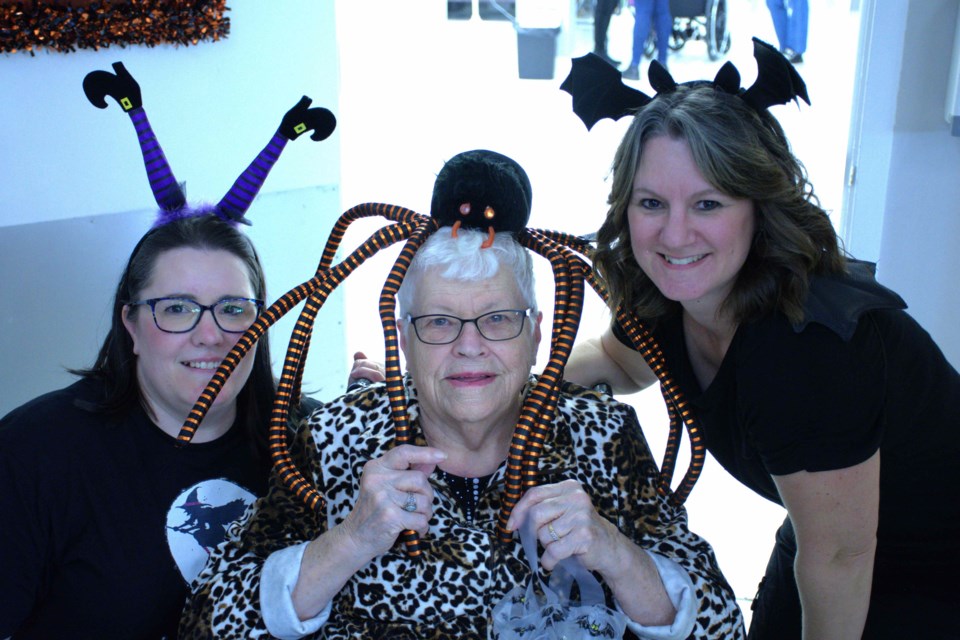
[(826, 395), (104, 521)]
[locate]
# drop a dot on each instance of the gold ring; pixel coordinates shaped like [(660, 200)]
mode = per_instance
[(411, 504), (553, 533)]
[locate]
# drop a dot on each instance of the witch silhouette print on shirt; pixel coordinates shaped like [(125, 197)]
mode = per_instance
[(198, 519)]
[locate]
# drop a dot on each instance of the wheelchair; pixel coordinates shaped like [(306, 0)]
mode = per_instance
[(696, 20)]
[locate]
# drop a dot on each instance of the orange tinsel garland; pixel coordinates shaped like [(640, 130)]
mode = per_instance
[(68, 26)]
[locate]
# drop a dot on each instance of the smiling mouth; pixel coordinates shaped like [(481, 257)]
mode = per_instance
[(201, 365), (470, 377), (682, 261)]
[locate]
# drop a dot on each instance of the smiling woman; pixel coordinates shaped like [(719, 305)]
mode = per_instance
[(175, 365), (815, 389), (101, 497), (688, 237), (337, 572), (102, 503), (471, 377)]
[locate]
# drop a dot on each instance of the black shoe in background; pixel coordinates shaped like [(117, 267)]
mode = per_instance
[(608, 59), (792, 56)]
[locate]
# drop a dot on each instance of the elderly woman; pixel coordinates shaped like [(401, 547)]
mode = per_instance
[(469, 330)]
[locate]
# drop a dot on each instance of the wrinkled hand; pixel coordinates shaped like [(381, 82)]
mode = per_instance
[(386, 484), (568, 525), (365, 369)]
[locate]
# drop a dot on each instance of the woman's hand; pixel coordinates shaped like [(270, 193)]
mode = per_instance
[(365, 369), (567, 525), (395, 496)]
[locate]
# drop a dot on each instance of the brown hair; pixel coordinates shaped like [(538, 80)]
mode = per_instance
[(116, 362), (745, 154)]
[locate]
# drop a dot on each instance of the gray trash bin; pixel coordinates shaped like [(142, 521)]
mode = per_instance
[(537, 52)]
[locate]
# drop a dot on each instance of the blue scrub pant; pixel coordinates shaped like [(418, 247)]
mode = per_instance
[(790, 19), (647, 10)]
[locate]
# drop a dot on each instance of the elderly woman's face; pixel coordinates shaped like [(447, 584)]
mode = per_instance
[(471, 380)]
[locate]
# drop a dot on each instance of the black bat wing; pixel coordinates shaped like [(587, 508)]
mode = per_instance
[(777, 80), (598, 91)]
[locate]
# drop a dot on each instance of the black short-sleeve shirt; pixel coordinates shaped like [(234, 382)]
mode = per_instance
[(826, 395), (104, 519)]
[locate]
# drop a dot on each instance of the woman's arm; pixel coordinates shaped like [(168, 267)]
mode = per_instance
[(835, 515), (606, 359), (23, 537)]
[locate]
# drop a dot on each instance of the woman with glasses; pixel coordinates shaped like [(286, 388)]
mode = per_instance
[(105, 519), (469, 328)]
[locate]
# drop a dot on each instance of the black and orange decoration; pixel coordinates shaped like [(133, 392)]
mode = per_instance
[(67, 25), (476, 189)]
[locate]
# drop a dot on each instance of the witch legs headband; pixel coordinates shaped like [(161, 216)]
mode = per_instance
[(167, 192), (598, 91)]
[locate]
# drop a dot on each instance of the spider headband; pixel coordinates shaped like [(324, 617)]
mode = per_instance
[(482, 189), (598, 91), (167, 192)]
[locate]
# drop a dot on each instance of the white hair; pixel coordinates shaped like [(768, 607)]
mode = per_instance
[(466, 261)]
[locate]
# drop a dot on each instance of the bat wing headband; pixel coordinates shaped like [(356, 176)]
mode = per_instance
[(168, 193), (598, 91)]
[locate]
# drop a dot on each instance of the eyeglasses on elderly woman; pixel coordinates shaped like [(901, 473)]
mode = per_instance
[(180, 315), (496, 326)]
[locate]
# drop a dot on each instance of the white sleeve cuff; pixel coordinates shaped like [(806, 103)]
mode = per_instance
[(680, 590), (277, 580)]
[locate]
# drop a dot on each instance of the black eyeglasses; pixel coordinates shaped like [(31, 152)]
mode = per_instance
[(496, 326), (180, 315)]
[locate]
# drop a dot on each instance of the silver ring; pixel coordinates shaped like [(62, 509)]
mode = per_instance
[(553, 533), (411, 504)]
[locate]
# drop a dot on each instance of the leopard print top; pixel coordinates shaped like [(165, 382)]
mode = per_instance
[(450, 591)]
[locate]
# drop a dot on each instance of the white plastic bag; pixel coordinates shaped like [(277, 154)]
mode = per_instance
[(525, 614)]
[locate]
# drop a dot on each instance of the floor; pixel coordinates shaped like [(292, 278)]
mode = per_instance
[(417, 88)]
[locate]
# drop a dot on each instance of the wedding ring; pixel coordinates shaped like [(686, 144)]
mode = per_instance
[(553, 533), (411, 504)]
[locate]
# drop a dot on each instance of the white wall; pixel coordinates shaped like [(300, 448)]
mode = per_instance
[(903, 209), (76, 199), (918, 254)]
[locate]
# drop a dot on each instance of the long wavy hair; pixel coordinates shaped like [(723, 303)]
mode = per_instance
[(116, 364), (744, 154)]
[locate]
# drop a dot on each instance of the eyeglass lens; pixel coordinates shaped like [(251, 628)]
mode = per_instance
[(496, 325), (177, 315)]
